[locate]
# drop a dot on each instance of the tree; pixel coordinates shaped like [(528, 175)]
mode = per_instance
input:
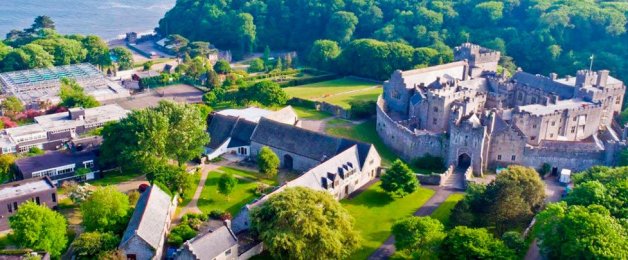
[(43, 22), (179, 43), (77, 193), (124, 57), (514, 241), (147, 65), (420, 236), (509, 202), (323, 54), (175, 178), (267, 162), (299, 223), (65, 51), (473, 243), (90, 245), (222, 67), (399, 180), (245, 31), (265, 92), (12, 106), (6, 164), (226, 184), (151, 137), (579, 232), (266, 55), (256, 65), (37, 56), (97, 51), (106, 210), (341, 26), (73, 95), (39, 228)]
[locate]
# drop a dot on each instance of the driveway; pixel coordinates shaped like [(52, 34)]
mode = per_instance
[(554, 191)]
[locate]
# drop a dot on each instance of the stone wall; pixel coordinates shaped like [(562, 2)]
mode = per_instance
[(408, 145), (253, 251), (435, 178), (323, 107), (569, 159)]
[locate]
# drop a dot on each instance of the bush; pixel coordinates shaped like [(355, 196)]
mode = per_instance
[(430, 162), (180, 234), (362, 108), (216, 214)]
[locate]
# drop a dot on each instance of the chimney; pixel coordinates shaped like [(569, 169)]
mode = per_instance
[(227, 223), (553, 76), (602, 77), (77, 113)]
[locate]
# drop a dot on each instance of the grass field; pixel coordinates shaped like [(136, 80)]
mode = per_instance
[(243, 193), (114, 177), (375, 212), (338, 92), (309, 113), (443, 211), (364, 132)]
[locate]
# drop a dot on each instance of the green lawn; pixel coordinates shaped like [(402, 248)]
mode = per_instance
[(114, 177), (344, 99), (320, 90), (364, 132), (243, 193), (375, 212), (443, 211), (310, 113)]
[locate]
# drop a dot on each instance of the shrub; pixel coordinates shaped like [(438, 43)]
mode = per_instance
[(362, 108), (180, 234), (216, 214)]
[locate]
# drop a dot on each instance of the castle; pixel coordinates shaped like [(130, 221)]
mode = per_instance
[(471, 115)]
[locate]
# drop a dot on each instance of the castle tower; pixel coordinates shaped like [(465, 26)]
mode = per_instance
[(481, 60)]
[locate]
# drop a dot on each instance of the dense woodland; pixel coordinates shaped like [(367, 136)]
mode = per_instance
[(542, 36)]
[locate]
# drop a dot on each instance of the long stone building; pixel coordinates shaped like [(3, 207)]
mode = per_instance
[(471, 115)]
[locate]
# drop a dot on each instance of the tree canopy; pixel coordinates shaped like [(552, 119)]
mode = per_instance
[(299, 223), (226, 183), (268, 162), (473, 243), (399, 180), (124, 57), (148, 138), (510, 201), (92, 245), (40, 228), (566, 32), (267, 93), (420, 236), (579, 232), (73, 95), (106, 210)]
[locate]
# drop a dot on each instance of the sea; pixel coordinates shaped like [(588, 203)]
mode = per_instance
[(109, 19)]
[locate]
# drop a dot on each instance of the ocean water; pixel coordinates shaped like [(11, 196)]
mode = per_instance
[(108, 19)]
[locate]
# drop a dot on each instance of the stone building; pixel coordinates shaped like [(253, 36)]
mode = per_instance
[(471, 115)]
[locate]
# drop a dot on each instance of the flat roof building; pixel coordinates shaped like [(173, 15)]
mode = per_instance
[(39, 85), (39, 190)]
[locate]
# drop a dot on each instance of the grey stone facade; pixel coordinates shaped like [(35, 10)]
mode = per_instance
[(469, 114)]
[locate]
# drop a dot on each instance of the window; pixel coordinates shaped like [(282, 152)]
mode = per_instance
[(573, 129), (575, 118), (551, 135), (532, 138), (54, 197), (553, 123), (37, 200), (617, 101), (228, 252), (533, 126), (9, 207), (499, 157), (520, 97), (435, 120), (88, 164), (513, 158), (435, 109), (14, 205)]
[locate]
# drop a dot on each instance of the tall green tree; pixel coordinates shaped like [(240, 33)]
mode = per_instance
[(399, 180), (106, 210), (97, 51), (40, 228), (7, 162), (300, 223), (187, 130), (419, 236), (226, 184), (222, 67), (124, 57), (341, 26), (267, 162), (11, 106), (323, 54), (473, 243), (92, 245), (43, 22), (578, 232), (265, 92), (38, 57)]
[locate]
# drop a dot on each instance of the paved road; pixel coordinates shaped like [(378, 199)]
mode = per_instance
[(553, 190)]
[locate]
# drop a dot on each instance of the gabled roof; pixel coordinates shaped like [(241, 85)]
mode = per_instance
[(150, 217), (219, 129), (211, 244), (241, 134)]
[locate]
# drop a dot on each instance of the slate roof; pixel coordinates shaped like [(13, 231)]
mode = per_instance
[(219, 129), (53, 159), (241, 134), (150, 217), (212, 244), (544, 83), (310, 144)]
